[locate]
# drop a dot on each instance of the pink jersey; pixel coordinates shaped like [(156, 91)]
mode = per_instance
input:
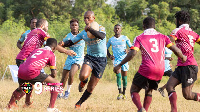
[(35, 39), (152, 45), (37, 60), (185, 40)]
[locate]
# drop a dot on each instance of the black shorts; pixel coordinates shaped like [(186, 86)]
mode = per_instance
[(144, 82), (39, 78), (187, 75), (97, 64), (168, 73), (19, 62)]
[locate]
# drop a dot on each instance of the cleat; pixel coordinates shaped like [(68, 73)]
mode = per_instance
[(119, 96), (28, 105), (10, 107), (66, 95), (124, 97), (81, 86), (161, 92), (142, 110), (53, 110), (60, 95), (77, 106)]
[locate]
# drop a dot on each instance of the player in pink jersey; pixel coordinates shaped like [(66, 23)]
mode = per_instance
[(35, 39), (152, 45), (29, 71), (185, 73)]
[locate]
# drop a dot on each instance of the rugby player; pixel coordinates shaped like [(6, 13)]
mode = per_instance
[(119, 49)]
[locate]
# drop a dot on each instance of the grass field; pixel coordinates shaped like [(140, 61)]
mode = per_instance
[(103, 99)]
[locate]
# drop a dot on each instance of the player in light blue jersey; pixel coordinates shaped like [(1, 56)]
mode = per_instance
[(23, 36), (168, 71), (119, 47), (73, 63), (95, 60)]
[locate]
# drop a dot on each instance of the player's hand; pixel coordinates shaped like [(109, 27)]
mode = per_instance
[(112, 57), (87, 26), (116, 69), (70, 52), (61, 43), (126, 51), (184, 58), (169, 58)]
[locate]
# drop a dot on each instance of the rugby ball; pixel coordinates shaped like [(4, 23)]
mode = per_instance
[(94, 25)]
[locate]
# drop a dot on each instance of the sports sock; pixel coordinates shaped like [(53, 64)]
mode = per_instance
[(85, 81), (124, 90), (28, 97), (17, 95), (120, 90), (147, 101), (197, 97), (53, 98), (118, 80), (172, 98), (84, 97), (68, 88), (136, 100), (124, 78)]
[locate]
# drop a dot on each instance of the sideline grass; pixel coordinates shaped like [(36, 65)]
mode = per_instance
[(103, 99)]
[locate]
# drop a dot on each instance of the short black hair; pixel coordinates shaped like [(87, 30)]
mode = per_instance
[(33, 19), (40, 22), (73, 20), (182, 16), (118, 25), (52, 42), (149, 22)]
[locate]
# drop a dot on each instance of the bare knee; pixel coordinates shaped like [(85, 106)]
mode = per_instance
[(82, 77), (187, 95), (169, 88)]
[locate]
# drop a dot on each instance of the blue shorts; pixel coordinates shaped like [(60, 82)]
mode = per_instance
[(97, 64), (124, 67), (70, 61)]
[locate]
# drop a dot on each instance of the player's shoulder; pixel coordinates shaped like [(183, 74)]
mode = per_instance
[(174, 32), (102, 28)]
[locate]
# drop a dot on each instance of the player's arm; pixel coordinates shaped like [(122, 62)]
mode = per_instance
[(19, 44), (109, 55), (178, 52), (63, 50), (53, 73), (130, 55)]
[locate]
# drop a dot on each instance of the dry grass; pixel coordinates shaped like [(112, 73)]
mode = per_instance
[(102, 99)]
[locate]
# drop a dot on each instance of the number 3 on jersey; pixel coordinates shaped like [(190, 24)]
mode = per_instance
[(37, 53), (155, 45)]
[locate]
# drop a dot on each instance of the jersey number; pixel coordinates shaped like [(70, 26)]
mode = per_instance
[(155, 45), (37, 53)]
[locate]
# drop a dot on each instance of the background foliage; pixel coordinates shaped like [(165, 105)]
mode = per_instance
[(15, 18)]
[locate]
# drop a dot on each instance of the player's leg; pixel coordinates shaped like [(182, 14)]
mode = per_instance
[(75, 67), (91, 85), (161, 89), (188, 82), (83, 76), (65, 75), (16, 96), (124, 79), (171, 84), (147, 98), (137, 84), (54, 94), (119, 84)]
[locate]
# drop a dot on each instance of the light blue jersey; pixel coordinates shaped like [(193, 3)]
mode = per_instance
[(95, 47), (23, 36), (119, 46), (168, 53), (78, 48)]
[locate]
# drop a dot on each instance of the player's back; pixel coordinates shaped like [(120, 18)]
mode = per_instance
[(35, 39), (185, 40), (37, 60), (152, 45)]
